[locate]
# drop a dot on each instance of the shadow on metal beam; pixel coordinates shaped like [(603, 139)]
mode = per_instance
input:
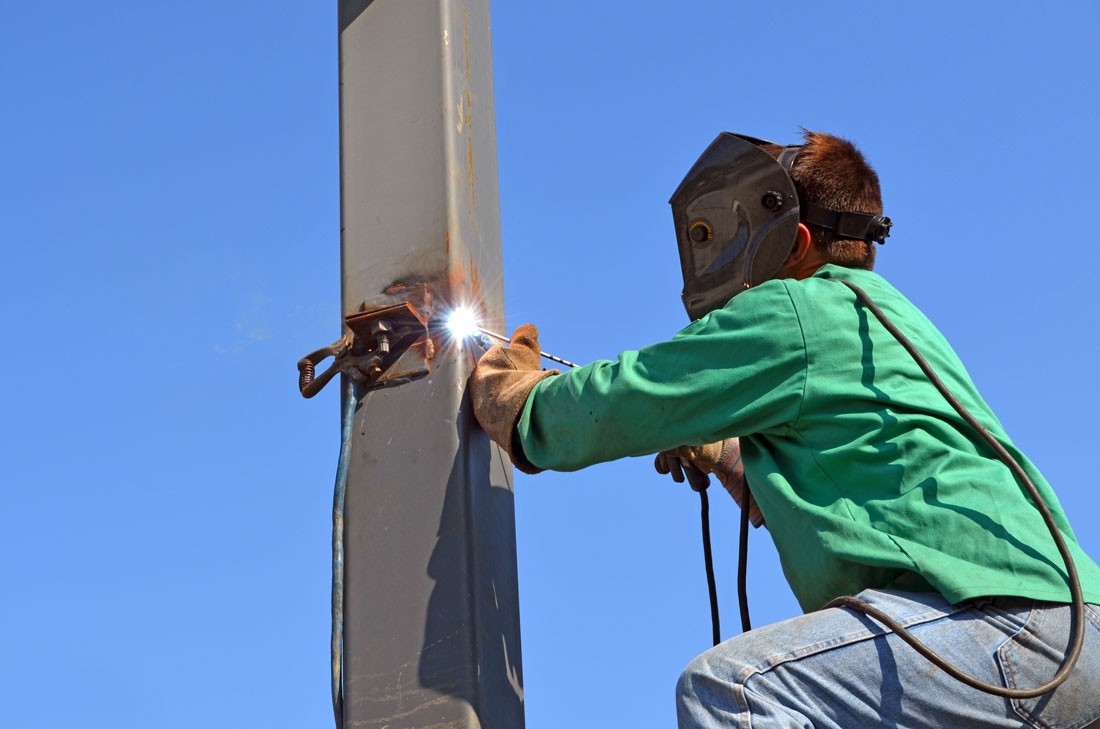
[(477, 553), (350, 10)]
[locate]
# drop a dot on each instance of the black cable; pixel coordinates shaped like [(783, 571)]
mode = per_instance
[(708, 559), (1077, 636), (743, 567), (699, 482)]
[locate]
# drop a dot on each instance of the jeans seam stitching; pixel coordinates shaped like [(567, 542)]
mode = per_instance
[(875, 630), (1092, 615), (1034, 621), (740, 687)]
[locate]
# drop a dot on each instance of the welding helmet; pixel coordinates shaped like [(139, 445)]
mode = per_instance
[(736, 215)]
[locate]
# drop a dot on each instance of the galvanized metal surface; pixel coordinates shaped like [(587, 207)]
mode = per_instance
[(431, 632)]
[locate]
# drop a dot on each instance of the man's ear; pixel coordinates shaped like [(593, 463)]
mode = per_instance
[(802, 243)]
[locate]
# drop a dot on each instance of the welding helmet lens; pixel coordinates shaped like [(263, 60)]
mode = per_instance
[(736, 216)]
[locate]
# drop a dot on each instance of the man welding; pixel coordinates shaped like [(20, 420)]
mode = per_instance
[(941, 582)]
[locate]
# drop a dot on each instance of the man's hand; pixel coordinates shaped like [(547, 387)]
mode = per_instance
[(500, 385), (723, 459)]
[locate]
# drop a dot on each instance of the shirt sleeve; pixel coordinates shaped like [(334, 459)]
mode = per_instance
[(737, 371)]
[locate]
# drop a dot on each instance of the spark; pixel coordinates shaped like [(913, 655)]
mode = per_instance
[(462, 323)]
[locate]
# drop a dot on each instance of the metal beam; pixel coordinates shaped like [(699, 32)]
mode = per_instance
[(431, 625)]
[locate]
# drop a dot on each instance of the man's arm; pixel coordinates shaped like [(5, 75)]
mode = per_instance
[(739, 370)]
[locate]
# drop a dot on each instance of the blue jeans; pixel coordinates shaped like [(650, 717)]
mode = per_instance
[(836, 668)]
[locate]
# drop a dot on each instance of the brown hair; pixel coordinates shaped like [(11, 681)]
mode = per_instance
[(831, 172)]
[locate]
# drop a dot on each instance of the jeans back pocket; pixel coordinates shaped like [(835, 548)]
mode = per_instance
[(1034, 654)]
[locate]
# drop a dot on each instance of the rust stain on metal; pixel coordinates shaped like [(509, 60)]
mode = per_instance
[(399, 286), (474, 280), (427, 347), (470, 170), (467, 111), (463, 285), (433, 300), (418, 294)]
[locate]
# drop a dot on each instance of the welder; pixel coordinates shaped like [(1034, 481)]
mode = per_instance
[(826, 402)]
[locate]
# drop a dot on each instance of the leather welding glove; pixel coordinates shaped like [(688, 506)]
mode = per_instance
[(723, 459), (500, 385)]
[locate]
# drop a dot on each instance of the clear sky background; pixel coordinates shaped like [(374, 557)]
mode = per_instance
[(169, 225)]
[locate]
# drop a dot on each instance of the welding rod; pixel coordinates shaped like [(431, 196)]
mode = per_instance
[(506, 340)]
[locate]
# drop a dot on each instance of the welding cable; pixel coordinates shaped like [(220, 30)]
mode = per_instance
[(708, 559), (699, 482), (743, 568), (351, 399), (1077, 636)]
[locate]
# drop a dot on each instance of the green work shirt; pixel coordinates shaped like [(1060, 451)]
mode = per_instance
[(866, 476)]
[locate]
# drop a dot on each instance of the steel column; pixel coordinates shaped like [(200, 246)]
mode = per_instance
[(431, 636)]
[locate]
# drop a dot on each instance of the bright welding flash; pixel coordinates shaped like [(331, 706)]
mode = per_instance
[(462, 323)]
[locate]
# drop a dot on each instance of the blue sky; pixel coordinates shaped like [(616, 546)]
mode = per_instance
[(170, 222)]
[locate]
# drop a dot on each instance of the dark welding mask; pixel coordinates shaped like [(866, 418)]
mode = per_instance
[(737, 213)]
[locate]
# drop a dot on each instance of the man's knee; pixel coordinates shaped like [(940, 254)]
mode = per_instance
[(692, 680), (708, 687), (691, 699), (724, 688)]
